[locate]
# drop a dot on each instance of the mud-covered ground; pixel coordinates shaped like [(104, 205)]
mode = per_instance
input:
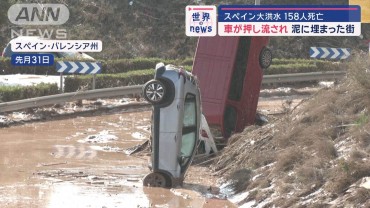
[(74, 156), (272, 101), (80, 162)]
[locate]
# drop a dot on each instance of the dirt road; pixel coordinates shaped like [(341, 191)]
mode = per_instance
[(79, 162)]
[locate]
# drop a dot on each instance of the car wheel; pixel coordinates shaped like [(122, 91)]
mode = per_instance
[(265, 58), (154, 91), (155, 180)]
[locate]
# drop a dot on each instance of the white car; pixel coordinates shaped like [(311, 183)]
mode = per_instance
[(176, 118)]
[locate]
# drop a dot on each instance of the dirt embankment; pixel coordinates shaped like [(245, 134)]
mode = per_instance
[(315, 156)]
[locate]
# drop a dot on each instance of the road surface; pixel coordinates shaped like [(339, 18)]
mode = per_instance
[(78, 162)]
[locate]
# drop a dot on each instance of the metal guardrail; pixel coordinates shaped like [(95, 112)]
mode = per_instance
[(67, 97), (121, 91), (303, 77)]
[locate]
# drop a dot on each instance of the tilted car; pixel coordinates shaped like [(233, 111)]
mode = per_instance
[(176, 118), (230, 71)]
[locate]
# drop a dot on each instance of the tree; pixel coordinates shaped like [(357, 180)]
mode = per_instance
[(4, 6)]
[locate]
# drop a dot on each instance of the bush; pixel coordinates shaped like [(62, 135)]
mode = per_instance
[(108, 66), (296, 61), (74, 83), (125, 65), (291, 68), (302, 67), (359, 70), (11, 93), (7, 68), (187, 62)]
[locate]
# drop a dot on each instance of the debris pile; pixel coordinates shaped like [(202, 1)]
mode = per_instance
[(317, 155)]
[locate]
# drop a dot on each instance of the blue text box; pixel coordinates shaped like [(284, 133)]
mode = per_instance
[(32, 59), (289, 13)]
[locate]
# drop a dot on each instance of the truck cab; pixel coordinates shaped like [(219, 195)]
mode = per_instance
[(230, 72)]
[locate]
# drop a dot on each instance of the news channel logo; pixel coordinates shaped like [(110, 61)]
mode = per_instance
[(41, 15), (201, 20)]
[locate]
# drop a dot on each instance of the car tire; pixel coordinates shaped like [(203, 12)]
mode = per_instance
[(265, 58), (154, 91), (155, 179)]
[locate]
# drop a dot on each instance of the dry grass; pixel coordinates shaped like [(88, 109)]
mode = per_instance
[(284, 188), (364, 138), (360, 196), (357, 155), (262, 195), (240, 179), (324, 143), (319, 205), (339, 184), (261, 182), (310, 175), (286, 202), (288, 159), (325, 149)]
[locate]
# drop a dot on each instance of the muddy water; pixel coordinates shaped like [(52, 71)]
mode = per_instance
[(80, 162)]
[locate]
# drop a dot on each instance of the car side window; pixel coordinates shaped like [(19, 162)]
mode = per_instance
[(189, 111), (189, 130)]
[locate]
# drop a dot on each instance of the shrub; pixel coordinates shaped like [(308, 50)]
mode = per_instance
[(288, 158), (240, 179), (279, 66), (7, 68), (11, 93), (302, 67), (187, 62), (125, 65), (74, 83), (108, 66), (296, 61), (359, 70)]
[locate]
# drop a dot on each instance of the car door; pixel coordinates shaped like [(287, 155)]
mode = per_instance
[(189, 131)]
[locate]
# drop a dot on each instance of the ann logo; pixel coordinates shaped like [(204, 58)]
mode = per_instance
[(37, 14), (24, 14)]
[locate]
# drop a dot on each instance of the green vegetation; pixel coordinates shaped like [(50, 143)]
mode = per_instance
[(277, 61), (4, 5), (126, 65), (362, 119), (123, 72), (108, 66), (291, 68), (10, 93), (84, 82), (279, 66)]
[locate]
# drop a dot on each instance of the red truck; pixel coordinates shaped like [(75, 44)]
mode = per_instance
[(230, 71)]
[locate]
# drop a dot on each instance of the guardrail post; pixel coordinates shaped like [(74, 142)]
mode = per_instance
[(61, 82), (94, 81)]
